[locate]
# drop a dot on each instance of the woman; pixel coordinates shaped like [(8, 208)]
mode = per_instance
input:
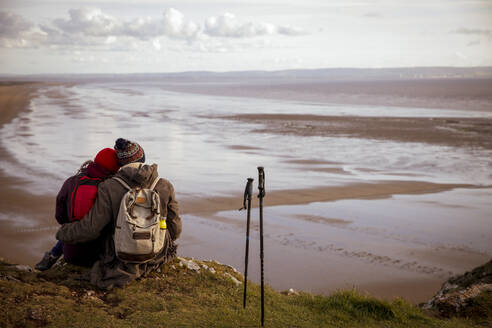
[(74, 200)]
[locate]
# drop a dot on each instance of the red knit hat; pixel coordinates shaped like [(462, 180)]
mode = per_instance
[(107, 158)]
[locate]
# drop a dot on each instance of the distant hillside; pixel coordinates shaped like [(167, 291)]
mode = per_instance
[(327, 74), (189, 293)]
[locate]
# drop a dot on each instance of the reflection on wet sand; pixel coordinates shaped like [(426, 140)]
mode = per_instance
[(360, 242)]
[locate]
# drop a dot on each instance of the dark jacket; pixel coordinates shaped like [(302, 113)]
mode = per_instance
[(109, 271), (84, 254)]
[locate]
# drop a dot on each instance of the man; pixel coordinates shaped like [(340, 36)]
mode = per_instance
[(109, 271)]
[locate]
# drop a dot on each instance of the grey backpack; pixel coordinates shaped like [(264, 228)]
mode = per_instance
[(139, 234)]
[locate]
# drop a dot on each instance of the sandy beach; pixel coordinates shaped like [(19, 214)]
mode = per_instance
[(214, 227)]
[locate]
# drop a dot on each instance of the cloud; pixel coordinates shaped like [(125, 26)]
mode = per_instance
[(91, 27), (291, 30), (172, 24), (473, 43), (12, 25), (227, 45), (17, 32), (227, 25), (175, 25), (373, 15), (460, 55), (473, 31), (89, 22)]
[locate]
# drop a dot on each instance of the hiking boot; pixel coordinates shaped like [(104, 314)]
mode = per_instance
[(47, 262)]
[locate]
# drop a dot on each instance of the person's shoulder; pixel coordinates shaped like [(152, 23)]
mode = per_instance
[(165, 186), (71, 179), (108, 183), (164, 180)]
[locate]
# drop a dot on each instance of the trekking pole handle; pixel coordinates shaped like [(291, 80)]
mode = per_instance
[(261, 181), (248, 192)]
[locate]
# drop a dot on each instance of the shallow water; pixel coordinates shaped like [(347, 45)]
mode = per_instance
[(432, 221), (413, 242), (204, 154)]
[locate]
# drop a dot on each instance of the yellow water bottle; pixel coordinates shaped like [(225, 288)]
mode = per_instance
[(163, 223)]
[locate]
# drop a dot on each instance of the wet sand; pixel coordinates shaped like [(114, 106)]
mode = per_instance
[(24, 240), (14, 97), (384, 189), (385, 246), (456, 132), (468, 94)]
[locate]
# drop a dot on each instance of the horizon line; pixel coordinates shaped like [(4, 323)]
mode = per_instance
[(249, 71)]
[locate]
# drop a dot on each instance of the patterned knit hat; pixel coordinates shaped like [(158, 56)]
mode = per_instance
[(128, 152)]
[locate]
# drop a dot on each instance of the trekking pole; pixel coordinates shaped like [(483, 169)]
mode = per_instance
[(261, 194), (248, 192)]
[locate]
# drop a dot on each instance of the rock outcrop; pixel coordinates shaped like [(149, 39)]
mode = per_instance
[(467, 295)]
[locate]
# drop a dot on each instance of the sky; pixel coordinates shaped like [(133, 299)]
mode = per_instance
[(109, 36)]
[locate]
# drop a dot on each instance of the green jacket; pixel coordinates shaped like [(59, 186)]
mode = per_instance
[(109, 271)]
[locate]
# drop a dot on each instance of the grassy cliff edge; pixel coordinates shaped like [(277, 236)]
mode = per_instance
[(191, 293)]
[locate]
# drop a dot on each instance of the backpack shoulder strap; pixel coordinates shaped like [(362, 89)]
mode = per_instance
[(123, 183), (152, 186)]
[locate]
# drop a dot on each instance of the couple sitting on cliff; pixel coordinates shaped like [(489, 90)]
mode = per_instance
[(117, 217)]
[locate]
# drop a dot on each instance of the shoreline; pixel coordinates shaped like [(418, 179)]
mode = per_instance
[(25, 241), (14, 98)]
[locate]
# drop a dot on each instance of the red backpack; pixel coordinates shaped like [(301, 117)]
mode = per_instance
[(83, 196)]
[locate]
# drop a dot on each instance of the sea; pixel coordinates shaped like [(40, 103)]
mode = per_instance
[(203, 153)]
